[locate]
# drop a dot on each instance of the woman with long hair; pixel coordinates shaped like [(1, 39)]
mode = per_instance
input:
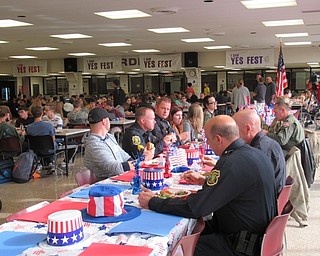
[(175, 119), (194, 122)]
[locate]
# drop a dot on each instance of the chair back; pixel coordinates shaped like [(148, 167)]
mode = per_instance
[(10, 146), (26, 210), (85, 176), (41, 145), (284, 194), (187, 244), (272, 242)]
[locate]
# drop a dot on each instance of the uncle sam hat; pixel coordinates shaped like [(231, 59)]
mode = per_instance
[(106, 204)]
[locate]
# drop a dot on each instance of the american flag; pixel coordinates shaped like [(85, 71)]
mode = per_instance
[(281, 74)]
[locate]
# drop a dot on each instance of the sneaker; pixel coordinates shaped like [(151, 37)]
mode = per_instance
[(50, 171)]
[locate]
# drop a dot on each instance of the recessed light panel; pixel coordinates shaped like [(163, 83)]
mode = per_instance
[(297, 43), (218, 47), (197, 40), (23, 57), (43, 48), (168, 30), (124, 14), (81, 54), (71, 36), (146, 50), (4, 42), (292, 35), (13, 23), (258, 4), (278, 23), (115, 44)]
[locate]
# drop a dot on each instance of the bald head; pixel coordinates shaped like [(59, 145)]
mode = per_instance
[(249, 124), (221, 131)]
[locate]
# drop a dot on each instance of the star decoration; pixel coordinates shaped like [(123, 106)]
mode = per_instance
[(65, 240), (103, 227), (154, 184), (148, 184), (40, 226), (74, 237), (55, 240), (80, 234)]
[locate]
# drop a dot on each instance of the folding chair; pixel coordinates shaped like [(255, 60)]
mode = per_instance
[(272, 242), (187, 244), (9, 147), (284, 194), (26, 210), (85, 176)]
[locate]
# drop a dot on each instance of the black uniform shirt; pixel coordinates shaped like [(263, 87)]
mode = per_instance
[(135, 136), (241, 193)]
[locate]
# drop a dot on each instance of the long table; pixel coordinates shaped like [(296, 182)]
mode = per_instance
[(67, 134), (123, 123), (160, 245)]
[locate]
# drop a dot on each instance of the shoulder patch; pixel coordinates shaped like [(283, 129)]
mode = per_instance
[(213, 177), (136, 140)]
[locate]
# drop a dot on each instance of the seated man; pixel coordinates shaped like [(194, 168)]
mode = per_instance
[(42, 128), (163, 132), (52, 117), (77, 116), (249, 124), (285, 129), (140, 134), (103, 155), (240, 192), (24, 117)]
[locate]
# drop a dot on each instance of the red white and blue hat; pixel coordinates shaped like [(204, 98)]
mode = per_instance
[(153, 178), (106, 204)]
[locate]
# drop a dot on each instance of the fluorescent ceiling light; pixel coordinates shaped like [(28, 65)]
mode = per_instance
[(297, 43), (278, 23), (217, 47), (23, 57), (125, 14), (313, 63), (4, 74), (13, 23), (146, 50), (120, 72), (136, 69), (44, 48), (257, 4), (115, 44), (4, 42), (292, 35), (71, 36), (219, 66), (168, 30), (80, 54), (197, 40)]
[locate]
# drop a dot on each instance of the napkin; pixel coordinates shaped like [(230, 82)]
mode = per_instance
[(126, 176), (99, 249), (41, 215), (14, 243), (148, 222)]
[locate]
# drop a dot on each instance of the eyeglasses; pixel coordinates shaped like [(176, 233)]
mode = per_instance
[(211, 103)]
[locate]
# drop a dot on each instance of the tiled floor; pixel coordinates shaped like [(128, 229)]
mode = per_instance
[(301, 241)]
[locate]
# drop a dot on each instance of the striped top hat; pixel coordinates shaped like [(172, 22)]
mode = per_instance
[(106, 204), (65, 228)]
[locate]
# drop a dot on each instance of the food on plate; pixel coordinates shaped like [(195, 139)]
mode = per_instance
[(149, 146), (170, 193)]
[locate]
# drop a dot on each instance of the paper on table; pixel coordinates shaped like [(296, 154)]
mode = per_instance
[(148, 222), (41, 215), (14, 243), (84, 193), (126, 176), (99, 249)]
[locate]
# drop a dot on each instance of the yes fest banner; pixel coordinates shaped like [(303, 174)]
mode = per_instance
[(250, 58), (102, 64), (30, 68), (169, 62)]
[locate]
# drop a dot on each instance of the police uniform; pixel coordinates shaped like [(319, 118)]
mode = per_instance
[(135, 136), (161, 129), (288, 134), (240, 192)]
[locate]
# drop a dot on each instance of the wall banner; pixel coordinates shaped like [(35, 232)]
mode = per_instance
[(30, 68), (102, 64), (169, 62), (250, 58)]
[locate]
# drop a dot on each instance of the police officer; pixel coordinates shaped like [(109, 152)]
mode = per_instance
[(163, 131), (240, 192), (288, 132), (140, 134)]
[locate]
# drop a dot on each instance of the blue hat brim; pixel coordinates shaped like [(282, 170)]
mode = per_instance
[(131, 213)]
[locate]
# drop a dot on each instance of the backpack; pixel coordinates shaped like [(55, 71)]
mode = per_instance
[(6, 166), (24, 167)]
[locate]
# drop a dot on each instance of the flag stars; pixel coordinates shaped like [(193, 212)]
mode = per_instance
[(65, 240), (74, 238)]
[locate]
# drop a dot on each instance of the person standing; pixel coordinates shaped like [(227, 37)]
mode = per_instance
[(119, 96), (270, 91), (249, 124), (240, 192), (240, 95), (210, 106), (206, 89), (259, 93)]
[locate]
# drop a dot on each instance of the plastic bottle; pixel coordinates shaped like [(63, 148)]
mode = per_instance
[(195, 166)]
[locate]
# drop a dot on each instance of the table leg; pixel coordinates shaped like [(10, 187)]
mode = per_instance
[(66, 156)]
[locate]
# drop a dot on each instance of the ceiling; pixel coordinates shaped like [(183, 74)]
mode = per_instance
[(228, 22)]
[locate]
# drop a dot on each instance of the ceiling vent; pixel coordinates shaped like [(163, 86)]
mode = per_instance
[(164, 10)]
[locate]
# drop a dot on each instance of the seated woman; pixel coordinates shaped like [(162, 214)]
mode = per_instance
[(194, 122), (175, 119)]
